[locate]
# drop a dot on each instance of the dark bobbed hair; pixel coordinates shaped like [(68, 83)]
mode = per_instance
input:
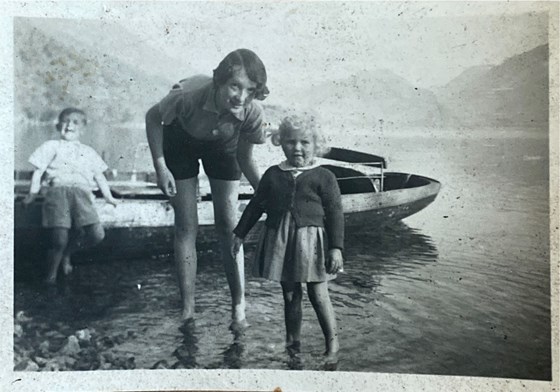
[(66, 112), (253, 66)]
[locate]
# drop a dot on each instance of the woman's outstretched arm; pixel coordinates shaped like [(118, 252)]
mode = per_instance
[(247, 162), (154, 133)]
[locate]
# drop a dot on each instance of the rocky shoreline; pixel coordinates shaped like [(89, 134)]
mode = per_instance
[(37, 348)]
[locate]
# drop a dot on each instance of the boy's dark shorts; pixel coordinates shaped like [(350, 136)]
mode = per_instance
[(182, 153), (68, 207)]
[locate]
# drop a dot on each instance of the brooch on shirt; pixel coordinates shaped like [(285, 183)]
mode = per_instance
[(224, 130)]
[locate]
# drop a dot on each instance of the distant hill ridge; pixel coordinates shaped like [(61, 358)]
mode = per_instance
[(371, 96), (513, 93), (55, 69), (52, 72)]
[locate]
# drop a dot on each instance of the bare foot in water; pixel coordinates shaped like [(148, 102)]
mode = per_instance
[(188, 326), (67, 267), (239, 323), (238, 326), (331, 363), (295, 361), (294, 347), (187, 314)]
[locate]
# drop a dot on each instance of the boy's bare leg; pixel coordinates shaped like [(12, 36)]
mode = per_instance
[(85, 237), (67, 267), (292, 293), (225, 196), (73, 245), (186, 226), (319, 297), (59, 243)]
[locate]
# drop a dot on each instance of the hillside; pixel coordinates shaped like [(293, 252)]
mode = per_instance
[(58, 65), (371, 96), (513, 93), (52, 71)]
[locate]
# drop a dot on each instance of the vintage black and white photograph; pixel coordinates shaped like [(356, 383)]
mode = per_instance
[(319, 188)]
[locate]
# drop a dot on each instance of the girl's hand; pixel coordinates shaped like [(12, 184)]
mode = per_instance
[(166, 182), (236, 245), (28, 199), (334, 261)]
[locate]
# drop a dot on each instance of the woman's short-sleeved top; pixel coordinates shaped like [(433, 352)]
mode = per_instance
[(191, 103)]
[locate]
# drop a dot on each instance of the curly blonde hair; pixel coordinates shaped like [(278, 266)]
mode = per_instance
[(302, 122)]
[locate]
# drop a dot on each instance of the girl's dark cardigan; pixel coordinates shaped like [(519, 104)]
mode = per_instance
[(313, 198)]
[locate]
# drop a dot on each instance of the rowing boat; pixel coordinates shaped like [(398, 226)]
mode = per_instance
[(143, 221)]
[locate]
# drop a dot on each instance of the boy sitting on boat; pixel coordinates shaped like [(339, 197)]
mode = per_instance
[(69, 171)]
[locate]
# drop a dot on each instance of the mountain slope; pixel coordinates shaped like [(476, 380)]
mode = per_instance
[(53, 71), (513, 93), (370, 97)]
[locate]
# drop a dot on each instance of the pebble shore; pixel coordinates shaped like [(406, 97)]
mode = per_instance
[(40, 349)]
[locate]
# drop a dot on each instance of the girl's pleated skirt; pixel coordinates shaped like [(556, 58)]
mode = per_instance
[(292, 254)]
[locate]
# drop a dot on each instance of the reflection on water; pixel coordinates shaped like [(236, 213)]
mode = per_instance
[(462, 288), (372, 253), (234, 354), (141, 296), (186, 352)]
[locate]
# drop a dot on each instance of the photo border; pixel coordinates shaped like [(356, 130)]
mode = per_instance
[(232, 380)]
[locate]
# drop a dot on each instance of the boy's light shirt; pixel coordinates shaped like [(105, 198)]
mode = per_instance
[(296, 171), (68, 163)]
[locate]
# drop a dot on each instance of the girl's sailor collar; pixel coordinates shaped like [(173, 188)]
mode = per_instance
[(285, 166)]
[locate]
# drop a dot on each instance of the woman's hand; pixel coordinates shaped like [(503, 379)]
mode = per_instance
[(165, 181), (334, 261), (236, 246)]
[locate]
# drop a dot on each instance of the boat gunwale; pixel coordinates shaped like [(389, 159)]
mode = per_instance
[(152, 197)]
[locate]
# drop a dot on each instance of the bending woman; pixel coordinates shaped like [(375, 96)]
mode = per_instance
[(213, 120)]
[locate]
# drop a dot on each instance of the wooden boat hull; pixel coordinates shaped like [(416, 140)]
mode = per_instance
[(359, 208), (382, 208), (142, 224), (144, 227)]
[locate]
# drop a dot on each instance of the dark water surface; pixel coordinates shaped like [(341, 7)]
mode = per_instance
[(462, 288)]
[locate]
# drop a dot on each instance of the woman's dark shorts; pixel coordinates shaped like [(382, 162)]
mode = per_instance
[(182, 153)]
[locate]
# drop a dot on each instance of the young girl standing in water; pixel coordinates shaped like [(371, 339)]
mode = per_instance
[(303, 238)]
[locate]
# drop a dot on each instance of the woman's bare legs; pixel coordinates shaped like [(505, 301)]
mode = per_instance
[(319, 297), (292, 293), (186, 227), (225, 195)]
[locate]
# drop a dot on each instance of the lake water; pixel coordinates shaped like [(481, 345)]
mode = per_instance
[(461, 288)]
